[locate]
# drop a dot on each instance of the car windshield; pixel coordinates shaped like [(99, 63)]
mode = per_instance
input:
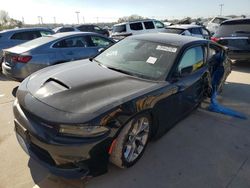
[(144, 59), (38, 42), (119, 28)]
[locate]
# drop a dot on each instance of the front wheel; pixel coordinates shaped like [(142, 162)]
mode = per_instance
[(131, 142)]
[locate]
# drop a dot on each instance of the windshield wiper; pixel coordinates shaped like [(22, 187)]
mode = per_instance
[(121, 71), (113, 68)]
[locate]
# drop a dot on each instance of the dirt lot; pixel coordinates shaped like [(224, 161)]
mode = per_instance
[(204, 150)]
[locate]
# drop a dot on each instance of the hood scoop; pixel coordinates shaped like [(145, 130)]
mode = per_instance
[(51, 87)]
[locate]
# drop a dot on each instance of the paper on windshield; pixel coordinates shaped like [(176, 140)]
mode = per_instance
[(166, 48), (151, 60)]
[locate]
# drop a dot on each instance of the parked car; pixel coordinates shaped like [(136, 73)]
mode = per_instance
[(125, 29), (75, 118), (189, 30), (235, 35), (22, 60), (93, 28), (13, 37), (65, 29), (214, 23)]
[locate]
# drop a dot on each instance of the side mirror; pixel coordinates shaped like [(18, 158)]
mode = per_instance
[(100, 50)]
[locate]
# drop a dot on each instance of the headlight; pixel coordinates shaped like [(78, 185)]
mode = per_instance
[(82, 130)]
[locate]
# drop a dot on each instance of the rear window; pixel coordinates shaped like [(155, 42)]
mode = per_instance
[(149, 25), (174, 30), (219, 20), (37, 42), (136, 26), (119, 28), (233, 30), (26, 35)]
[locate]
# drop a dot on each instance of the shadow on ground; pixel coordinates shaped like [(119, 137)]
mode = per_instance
[(242, 66)]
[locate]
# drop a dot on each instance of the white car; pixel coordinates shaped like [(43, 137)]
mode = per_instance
[(125, 29), (189, 30), (214, 24)]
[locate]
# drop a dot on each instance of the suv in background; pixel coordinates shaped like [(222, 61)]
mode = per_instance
[(189, 30), (235, 35), (93, 28), (13, 37), (214, 24), (125, 29)]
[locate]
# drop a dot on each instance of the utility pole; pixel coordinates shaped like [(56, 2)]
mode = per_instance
[(38, 19), (221, 6), (23, 19), (83, 19), (41, 19), (77, 15), (54, 19), (97, 19)]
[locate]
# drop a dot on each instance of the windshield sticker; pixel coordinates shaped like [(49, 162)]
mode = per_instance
[(166, 48), (112, 53), (151, 60)]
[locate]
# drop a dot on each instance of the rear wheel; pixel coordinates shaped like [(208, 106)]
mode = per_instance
[(131, 142)]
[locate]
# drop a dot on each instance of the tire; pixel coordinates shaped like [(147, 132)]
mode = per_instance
[(131, 142)]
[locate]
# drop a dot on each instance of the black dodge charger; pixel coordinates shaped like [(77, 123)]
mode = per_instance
[(77, 117)]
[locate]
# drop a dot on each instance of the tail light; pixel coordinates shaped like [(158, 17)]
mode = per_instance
[(215, 39), (21, 59)]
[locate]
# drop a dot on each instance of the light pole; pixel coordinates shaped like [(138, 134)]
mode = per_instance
[(77, 14), (83, 19), (38, 19), (54, 20), (221, 6)]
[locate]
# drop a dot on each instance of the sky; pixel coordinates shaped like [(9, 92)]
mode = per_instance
[(63, 11)]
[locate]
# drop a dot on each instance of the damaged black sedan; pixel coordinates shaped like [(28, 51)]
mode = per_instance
[(77, 117)]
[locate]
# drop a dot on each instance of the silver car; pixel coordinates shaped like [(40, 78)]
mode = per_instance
[(13, 37), (22, 60)]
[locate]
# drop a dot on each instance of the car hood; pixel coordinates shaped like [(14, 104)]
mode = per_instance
[(85, 87)]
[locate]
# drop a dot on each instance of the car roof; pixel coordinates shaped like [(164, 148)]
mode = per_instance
[(75, 33), (236, 21), (24, 29), (184, 26), (134, 21), (167, 38)]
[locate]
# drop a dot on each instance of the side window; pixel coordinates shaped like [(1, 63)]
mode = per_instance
[(74, 42), (149, 25), (205, 32), (196, 31), (26, 35), (45, 33), (97, 28), (136, 26), (100, 41), (67, 29), (159, 24), (192, 60)]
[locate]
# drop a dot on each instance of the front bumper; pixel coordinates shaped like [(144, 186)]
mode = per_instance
[(69, 160)]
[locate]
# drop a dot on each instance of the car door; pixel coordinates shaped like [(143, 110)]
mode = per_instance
[(191, 76), (185, 90), (73, 48)]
